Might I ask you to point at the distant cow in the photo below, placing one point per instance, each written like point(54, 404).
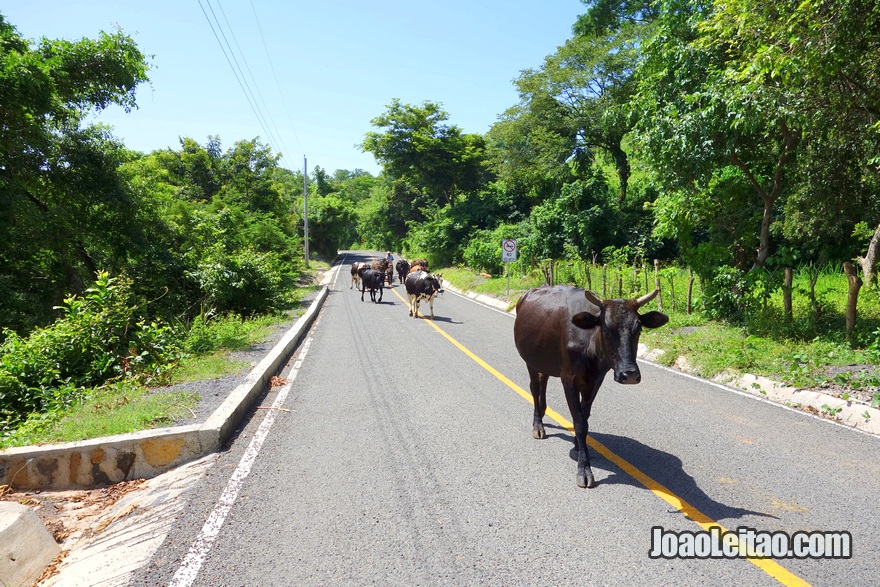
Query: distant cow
point(570, 333)
point(402, 269)
point(422, 286)
point(418, 265)
point(389, 274)
point(372, 280)
point(357, 268)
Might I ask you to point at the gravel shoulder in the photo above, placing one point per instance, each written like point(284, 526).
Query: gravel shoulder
point(213, 392)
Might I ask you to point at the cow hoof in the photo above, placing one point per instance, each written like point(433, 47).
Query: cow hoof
point(587, 480)
point(538, 433)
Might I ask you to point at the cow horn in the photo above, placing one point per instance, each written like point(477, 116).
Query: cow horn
point(647, 298)
point(592, 298)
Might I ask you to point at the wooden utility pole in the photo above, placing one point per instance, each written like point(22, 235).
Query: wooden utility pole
point(306, 210)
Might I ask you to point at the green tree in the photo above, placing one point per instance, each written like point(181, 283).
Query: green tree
point(416, 146)
point(581, 95)
point(822, 58)
point(250, 167)
point(57, 190)
point(704, 112)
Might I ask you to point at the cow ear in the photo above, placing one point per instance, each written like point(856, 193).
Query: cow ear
point(653, 319)
point(585, 320)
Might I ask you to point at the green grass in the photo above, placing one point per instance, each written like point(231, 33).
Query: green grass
point(497, 286)
point(765, 346)
point(116, 409)
point(126, 407)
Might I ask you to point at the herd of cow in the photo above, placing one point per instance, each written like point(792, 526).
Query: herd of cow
point(420, 284)
point(559, 331)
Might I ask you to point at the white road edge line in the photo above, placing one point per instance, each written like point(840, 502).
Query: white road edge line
point(191, 565)
point(752, 396)
point(466, 297)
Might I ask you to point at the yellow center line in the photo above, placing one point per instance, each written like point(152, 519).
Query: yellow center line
point(770, 567)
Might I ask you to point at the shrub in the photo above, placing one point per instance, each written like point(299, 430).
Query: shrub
point(97, 338)
point(245, 282)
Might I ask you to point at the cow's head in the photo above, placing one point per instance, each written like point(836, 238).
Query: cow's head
point(620, 324)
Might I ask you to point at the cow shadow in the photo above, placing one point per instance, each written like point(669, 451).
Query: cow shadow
point(663, 468)
point(441, 319)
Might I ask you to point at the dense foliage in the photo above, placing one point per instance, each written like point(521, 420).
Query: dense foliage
point(107, 255)
point(736, 137)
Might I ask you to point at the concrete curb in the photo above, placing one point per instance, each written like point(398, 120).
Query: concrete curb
point(482, 299)
point(103, 461)
point(832, 409)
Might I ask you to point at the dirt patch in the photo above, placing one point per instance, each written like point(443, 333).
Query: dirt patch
point(73, 514)
point(852, 382)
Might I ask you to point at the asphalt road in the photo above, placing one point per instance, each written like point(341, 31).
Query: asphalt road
point(406, 458)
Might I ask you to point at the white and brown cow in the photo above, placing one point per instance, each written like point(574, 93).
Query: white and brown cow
point(357, 270)
point(422, 286)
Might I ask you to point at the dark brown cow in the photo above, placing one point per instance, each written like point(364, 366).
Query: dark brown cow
point(372, 280)
point(570, 333)
point(402, 269)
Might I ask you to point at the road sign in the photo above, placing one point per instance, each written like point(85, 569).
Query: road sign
point(508, 250)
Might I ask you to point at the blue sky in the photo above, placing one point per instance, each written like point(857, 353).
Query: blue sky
point(318, 71)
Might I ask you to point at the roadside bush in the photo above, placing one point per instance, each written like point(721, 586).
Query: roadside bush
point(207, 334)
point(245, 282)
point(433, 241)
point(97, 338)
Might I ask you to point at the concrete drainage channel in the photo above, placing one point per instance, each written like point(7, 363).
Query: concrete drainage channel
point(26, 547)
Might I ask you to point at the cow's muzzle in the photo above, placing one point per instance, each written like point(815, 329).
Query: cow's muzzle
point(628, 376)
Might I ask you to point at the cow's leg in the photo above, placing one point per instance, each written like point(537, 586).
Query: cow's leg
point(538, 387)
point(363, 288)
point(579, 416)
point(431, 305)
point(381, 289)
point(410, 305)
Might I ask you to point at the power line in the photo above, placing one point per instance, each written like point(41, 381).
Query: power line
point(275, 75)
point(236, 70)
point(268, 114)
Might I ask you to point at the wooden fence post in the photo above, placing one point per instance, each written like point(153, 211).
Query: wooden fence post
point(852, 298)
point(690, 296)
point(620, 282)
point(786, 293)
point(645, 271)
point(604, 281)
point(547, 269)
point(589, 277)
point(657, 283)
